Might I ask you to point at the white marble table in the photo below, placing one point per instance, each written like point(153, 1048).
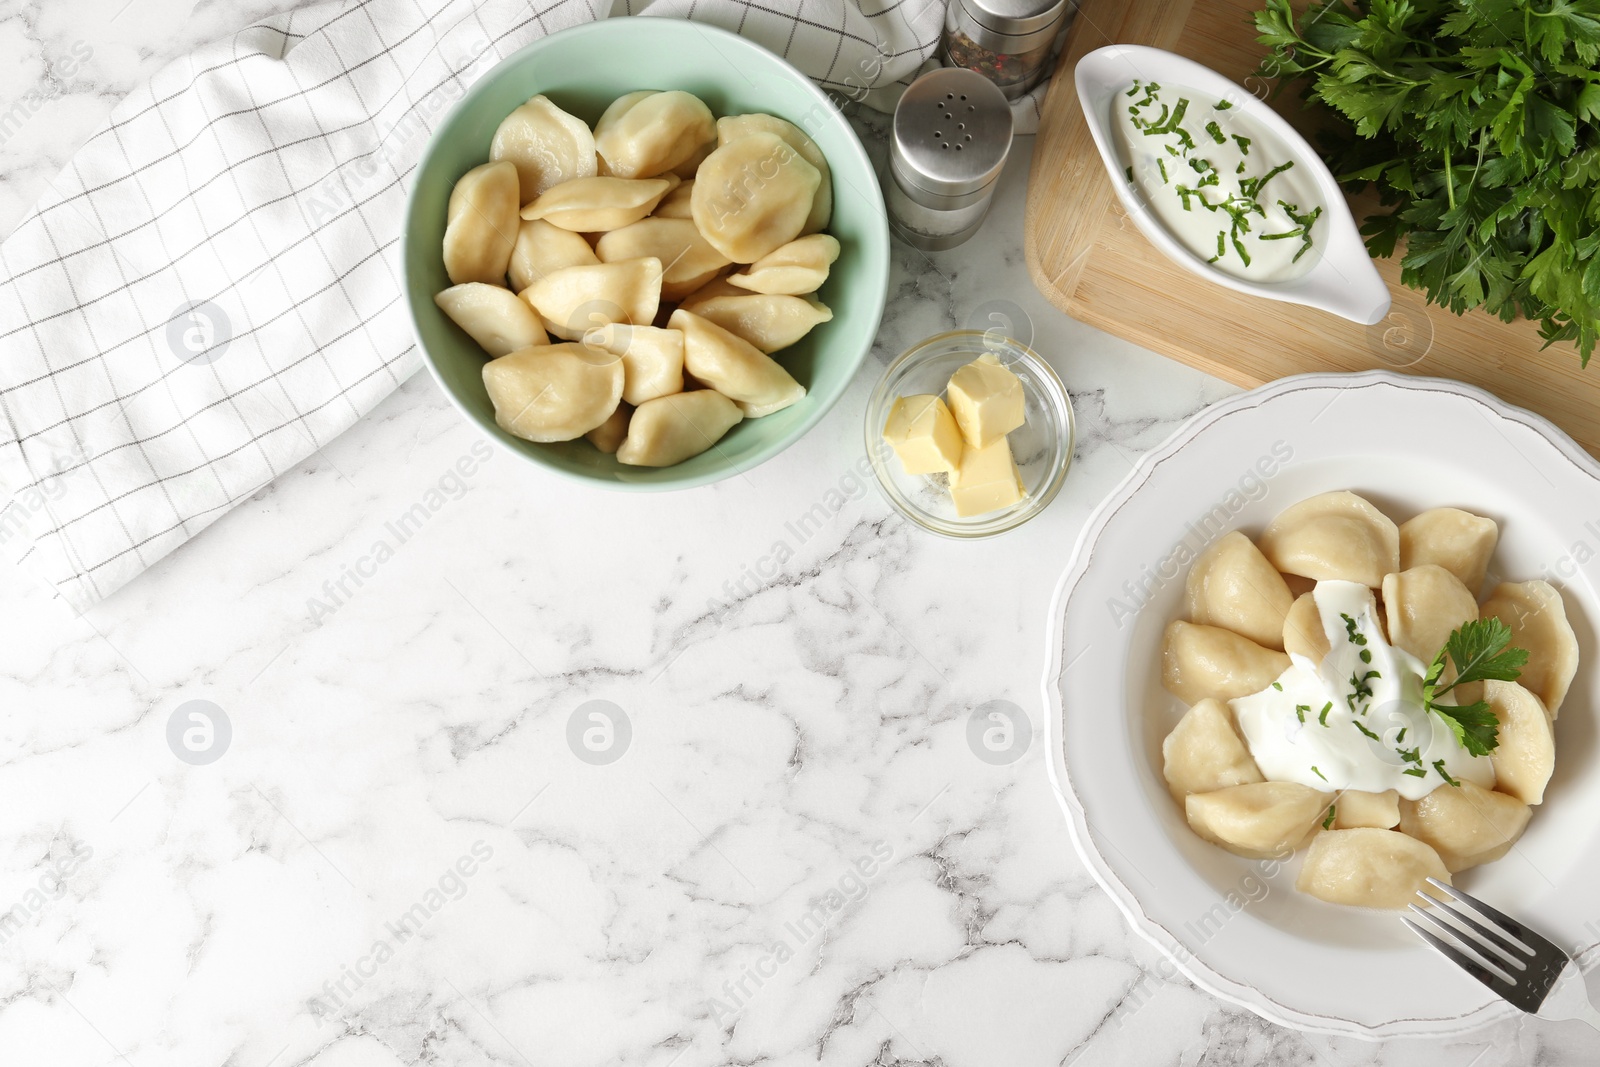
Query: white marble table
point(399, 859)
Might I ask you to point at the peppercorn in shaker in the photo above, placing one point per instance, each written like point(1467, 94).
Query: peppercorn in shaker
point(951, 135)
point(1007, 41)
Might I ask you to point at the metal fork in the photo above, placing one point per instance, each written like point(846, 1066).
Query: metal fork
point(1522, 967)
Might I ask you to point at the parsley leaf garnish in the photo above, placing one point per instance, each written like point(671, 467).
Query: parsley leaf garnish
point(1479, 651)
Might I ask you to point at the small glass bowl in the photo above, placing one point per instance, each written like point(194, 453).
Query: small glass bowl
point(1042, 445)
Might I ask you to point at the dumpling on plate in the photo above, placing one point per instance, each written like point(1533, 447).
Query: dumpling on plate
point(1204, 752)
point(493, 316)
point(732, 127)
point(652, 359)
point(1526, 755)
point(1456, 540)
point(771, 323)
point(1335, 535)
point(481, 224)
point(801, 266)
point(1465, 824)
point(646, 133)
point(609, 435)
point(1259, 819)
point(542, 248)
point(734, 368)
point(1538, 621)
point(752, 195)
point(1208, 661)
point(574, 300)
point(671, 429)
point(1423, 606)
point(553, 392)
point(545, 144)
point(1369, 868)
point(1356, 807)
point(1303, 634)
point(1233, 586)
point(675, 205)
point(594, 205)
point(690, 261)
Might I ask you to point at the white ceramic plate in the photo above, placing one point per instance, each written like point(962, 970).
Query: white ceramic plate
point(1242, 932)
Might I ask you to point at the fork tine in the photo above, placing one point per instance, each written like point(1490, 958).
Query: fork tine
point(1500, 986)
point(1516, 955)
point(1536, 944)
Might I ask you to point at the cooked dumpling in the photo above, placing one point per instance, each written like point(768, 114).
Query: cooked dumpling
point(594, 205)
point(752, 195)
point(1208, 661)
point(1456, 540)
point(1355, 807)
point(770, 323)
point(493, 316)
point(652, 359)
point(553, 392)
point(1369, 868)
point(1526, 755)
point(542, 248)
point(1261, 819)
point(675, 205)
point(1538, 621)
point(1465, 824)
point(1334, 535)
point(1303, 634)
point(801, 266)
point(546, 145)
point(481, 225)
point(732, 127)
point(1204, 753)
point(734, 368)
point(1422, 606)
point(647, 133)
point(1233, 586)
point(690, 261)
point(574, 300)
point(671, 429)
point(609, 435)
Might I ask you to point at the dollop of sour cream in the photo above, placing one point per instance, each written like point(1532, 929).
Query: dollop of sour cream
point(1356, 720)
point(1220, 182)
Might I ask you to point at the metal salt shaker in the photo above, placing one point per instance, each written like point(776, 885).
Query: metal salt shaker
point(952, 133)
point(1007, 41)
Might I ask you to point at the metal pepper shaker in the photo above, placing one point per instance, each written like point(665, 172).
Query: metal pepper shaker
point(1007, 41)
point(951, 136)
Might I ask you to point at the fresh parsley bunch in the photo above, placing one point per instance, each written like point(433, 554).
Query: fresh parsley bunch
point(1480, 653)
point(1479, 123)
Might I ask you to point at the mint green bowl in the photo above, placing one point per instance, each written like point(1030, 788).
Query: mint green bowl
point(583, 69)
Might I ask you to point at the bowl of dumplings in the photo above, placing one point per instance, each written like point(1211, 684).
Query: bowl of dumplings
point(1333, 638)
point(645, 253)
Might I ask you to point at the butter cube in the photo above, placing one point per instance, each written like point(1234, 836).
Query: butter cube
point(986, 400)
point(987, 480)
point(923, 434)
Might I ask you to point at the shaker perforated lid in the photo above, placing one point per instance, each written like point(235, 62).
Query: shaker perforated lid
point(1029, 23)
point(952, 132)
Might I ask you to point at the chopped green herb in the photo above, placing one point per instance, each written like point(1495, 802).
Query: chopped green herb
point(1318, 773)
point(1216, 133)
point(1415, 772)
point(1438, 765)
point(1332, 814)
point(1323, 717)
point(1300, 710)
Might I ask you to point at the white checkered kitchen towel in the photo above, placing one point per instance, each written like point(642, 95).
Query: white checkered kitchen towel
point(211, 291)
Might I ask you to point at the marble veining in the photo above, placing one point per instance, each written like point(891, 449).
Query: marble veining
point(413, 848)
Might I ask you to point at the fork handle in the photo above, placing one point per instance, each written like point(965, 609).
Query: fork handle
point(1589, 1014)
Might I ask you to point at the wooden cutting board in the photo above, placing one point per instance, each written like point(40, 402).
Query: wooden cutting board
point(1090, 260)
